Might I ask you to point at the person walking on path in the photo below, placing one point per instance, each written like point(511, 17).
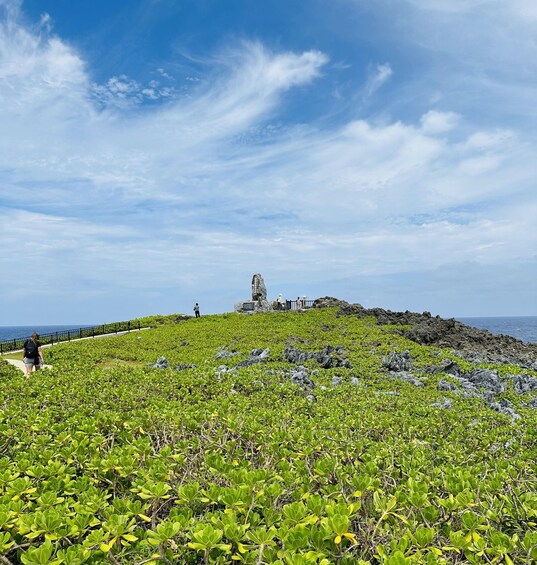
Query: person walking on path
point(298, 303)
point(279, 301)
point(197, 310)
point(33, 354)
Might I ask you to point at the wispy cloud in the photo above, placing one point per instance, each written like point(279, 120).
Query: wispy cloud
point(130, 185)
point(378, 76)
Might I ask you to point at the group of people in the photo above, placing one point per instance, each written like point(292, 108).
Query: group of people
point(33, 355)
point(281, 303)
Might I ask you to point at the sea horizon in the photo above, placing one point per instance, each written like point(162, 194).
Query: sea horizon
point(17, 332)
point(519, 327)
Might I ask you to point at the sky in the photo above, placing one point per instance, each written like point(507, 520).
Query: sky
point(158, 153)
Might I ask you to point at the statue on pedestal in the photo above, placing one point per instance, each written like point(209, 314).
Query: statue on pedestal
point(259, 302)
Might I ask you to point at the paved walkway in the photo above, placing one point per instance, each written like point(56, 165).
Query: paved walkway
point(19, 363)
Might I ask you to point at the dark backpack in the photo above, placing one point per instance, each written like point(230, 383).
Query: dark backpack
point(30, 349)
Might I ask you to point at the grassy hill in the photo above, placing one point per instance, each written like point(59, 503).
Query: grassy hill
point(237, 454)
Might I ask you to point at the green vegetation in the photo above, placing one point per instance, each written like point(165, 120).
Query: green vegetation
point(106, 460)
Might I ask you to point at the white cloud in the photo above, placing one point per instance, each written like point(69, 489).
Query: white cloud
point(377, 77)
point(137, 196)
point(123, 92)
point(438, 122)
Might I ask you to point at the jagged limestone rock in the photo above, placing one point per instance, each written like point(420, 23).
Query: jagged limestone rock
point(259, 290)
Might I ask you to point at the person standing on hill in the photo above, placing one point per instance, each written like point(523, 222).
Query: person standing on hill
point(298, 303)
point(33, 355)
point(197, 310)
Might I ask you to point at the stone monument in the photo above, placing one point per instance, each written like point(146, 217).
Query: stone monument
point(259, 302)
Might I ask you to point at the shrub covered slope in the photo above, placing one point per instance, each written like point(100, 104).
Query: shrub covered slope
point(275, 438)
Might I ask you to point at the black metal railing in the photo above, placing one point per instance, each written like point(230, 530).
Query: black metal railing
point(67, 335)
point(292, 304)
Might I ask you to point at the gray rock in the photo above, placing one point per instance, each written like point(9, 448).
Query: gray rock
point(224, 353)
point(397, 361)
point(331, 302)
point(523, 383)
point(503, 406)
point(356, 381)
point(256, 356)
point(407, 378)
point(182, 367)
point(336, 380)
point(533, 404)
point(469, 390)
point(447, 386)
point(448, 366)
point(222, 370)
point(162, 363)
point(445, 404)
point(300, 377)
point(487, 380)
point(329, 357)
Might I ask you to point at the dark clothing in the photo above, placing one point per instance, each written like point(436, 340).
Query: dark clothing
point(197, 311)
point(31, 349)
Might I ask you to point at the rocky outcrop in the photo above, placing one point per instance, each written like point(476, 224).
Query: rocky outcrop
point(523, 383)
point(256, 356)
point(300, 377)
point(397, 361)
point(400, 365)
point(472, 344)
point(329, 357)
point(484, 384)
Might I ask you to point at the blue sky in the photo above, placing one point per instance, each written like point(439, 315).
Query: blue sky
point(157, 153)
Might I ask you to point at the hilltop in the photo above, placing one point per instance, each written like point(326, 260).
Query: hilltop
point(332, 435)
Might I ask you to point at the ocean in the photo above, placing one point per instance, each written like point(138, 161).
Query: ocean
point(10, 332)
point(521, 327)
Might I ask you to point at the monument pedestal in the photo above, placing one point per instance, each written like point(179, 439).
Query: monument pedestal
point(253, 306)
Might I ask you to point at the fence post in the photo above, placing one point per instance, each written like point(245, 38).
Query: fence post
point(68, 335)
